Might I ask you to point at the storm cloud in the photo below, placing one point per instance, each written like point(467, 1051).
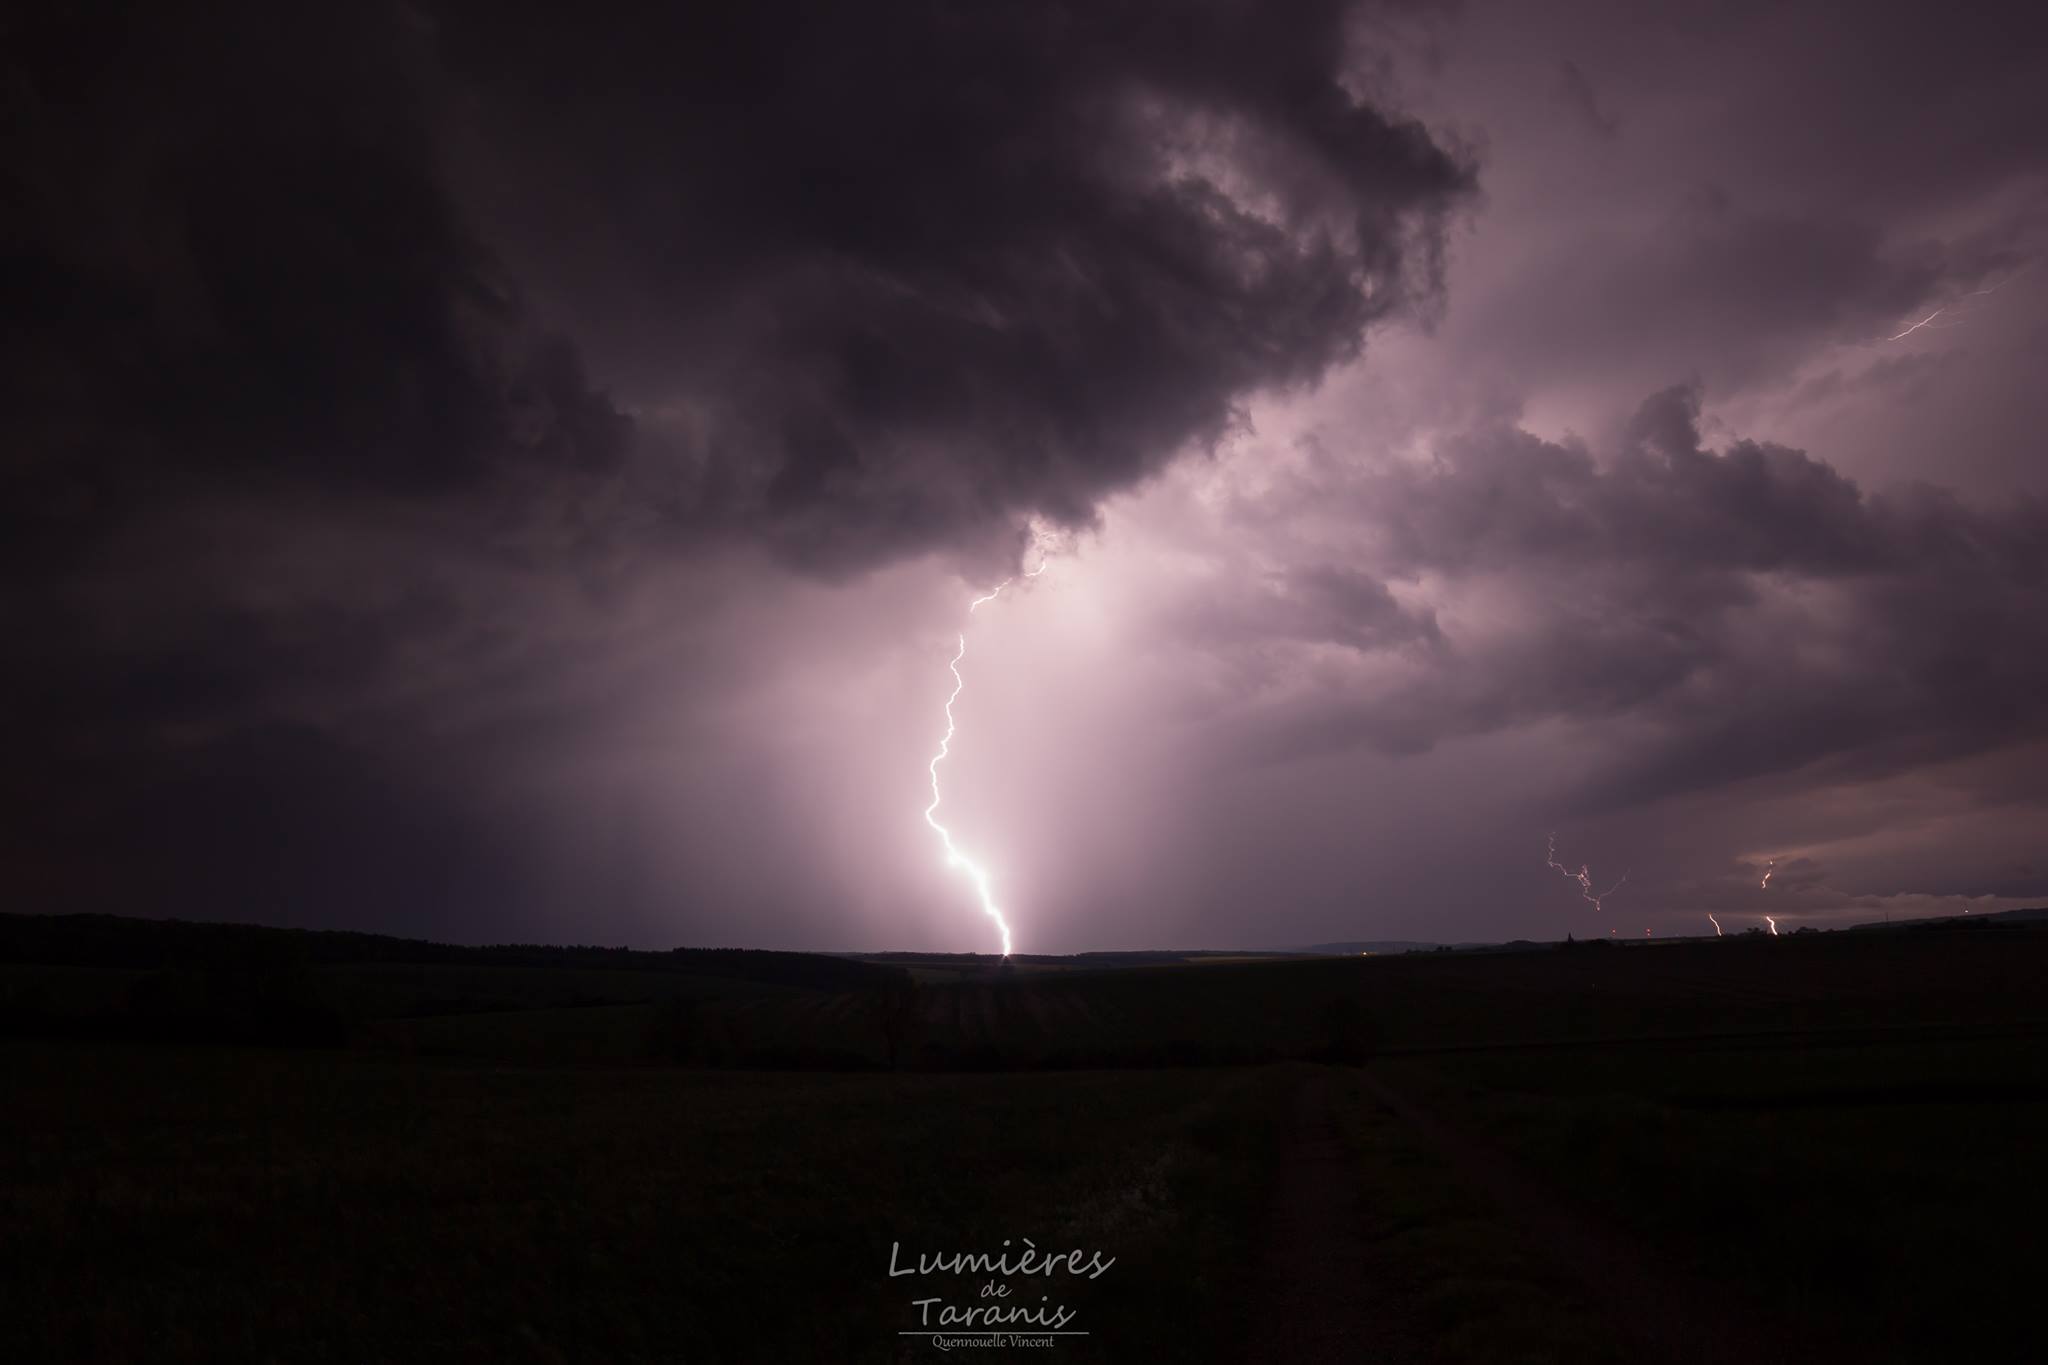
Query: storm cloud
point(500, 471)
point(896, 277)
point(1742, 611)
point(358, 354)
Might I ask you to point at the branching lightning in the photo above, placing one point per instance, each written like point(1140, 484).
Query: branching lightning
point(1584, 877)
point(954, 857)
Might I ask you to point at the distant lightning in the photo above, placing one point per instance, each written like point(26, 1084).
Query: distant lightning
point(1716, 923)
point(1769, 865)
point(1918, 325)
point(1583, 877)
point(954, 857)
point(1994, 288)
point(1929, 320)
point(1774, 925)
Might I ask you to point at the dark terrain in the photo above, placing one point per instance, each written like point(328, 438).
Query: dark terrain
point(224, 1143)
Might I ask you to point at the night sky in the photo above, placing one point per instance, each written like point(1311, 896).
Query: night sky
point(518, 472)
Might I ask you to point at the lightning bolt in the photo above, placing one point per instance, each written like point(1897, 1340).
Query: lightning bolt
point(1583, 877)
point(1769, 866)
point(1716, 923)
point(1918, 325)
point(1774, 925)
point(1994, 288)
point(954, 857)
point(1963, 309)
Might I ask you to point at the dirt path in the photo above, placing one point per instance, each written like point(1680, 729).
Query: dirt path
point(1314, 1298)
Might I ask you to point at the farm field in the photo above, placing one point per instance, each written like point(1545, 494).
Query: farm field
point(1875, 1199)
point(178, 1204)
point(1819, 1149)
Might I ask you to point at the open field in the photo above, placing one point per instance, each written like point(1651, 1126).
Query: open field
point(178, 1204)
point(1880, 1198)
point(1819, 1149)
point(1246, 1013)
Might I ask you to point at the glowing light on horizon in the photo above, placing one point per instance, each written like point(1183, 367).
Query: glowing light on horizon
point(1769, 866)
point(954, 857)
point(1716, 923)
point(1584, 877)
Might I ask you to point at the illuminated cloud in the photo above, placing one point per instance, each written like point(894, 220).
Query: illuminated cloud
point(491, 473)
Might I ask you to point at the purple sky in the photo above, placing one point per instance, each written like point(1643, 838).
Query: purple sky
point(490, 473)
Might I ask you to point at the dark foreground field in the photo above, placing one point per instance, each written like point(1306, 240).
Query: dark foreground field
point(1818, 1149)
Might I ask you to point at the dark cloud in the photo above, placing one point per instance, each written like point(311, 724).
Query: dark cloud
point(1734, 612)
point(499, 469)
point(887, 277)
point(233, 268)
point(344, 340)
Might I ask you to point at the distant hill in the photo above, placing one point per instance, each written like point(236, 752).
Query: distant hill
point(152, 944)
point(2031, 915)
point(1375, 946)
